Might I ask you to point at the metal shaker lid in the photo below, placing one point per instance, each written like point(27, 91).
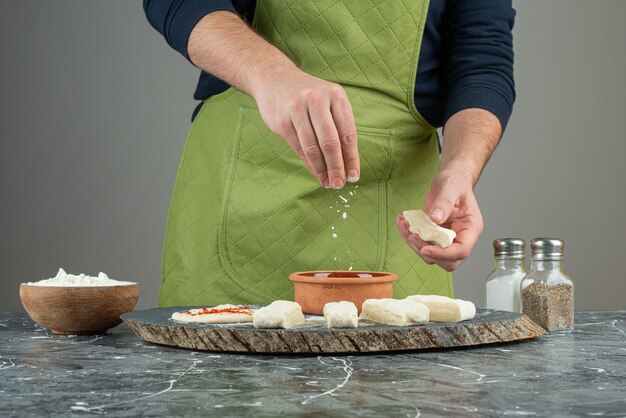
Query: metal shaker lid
point(509, 248)
point(547, 249)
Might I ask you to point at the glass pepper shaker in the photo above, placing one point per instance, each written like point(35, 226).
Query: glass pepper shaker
point(547, 292)
point(502, 289)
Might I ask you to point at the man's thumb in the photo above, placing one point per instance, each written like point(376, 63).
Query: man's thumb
point(442, 205)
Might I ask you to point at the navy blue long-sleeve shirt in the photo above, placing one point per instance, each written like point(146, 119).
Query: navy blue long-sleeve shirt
point(466, 58)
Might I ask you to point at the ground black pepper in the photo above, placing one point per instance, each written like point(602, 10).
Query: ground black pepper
point(549, 305)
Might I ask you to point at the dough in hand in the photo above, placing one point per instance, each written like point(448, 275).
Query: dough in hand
point(395, 312)
point(220, 314)
point(445, 309)
point(279, 314)
point(420, 224)
point(341, 315)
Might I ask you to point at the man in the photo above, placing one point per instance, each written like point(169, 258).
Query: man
point(318, 125)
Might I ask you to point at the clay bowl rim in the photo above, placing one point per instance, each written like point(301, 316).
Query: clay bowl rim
point(308, 277)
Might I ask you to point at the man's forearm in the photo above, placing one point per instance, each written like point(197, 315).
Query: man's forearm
point(470, 137)
point(312, 115)
point(223, 45)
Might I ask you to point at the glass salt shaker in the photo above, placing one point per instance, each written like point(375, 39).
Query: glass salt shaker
point(502, 289)
point(547, 292)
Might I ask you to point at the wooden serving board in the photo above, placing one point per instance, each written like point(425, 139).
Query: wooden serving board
point(487, 327)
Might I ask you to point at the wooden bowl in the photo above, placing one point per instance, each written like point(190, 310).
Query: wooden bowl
point(78, 309)
point(314, 289)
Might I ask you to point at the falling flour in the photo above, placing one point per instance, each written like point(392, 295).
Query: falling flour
point(342, 207)
point(64, 279)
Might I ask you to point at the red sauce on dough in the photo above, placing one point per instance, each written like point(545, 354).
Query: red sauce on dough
point(236, 310)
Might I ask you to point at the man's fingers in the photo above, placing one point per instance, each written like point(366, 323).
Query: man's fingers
point(448, 266)
point(442, 205)
point(418, 242)
point(418, 245)
point(291, 137)
point(448, 261)
point(328, 140)
point(403, 226)
point(310, 147)
point(444, 194)
point(459, 250)
point(412, 240)
point(343, 117)
point(455, 252)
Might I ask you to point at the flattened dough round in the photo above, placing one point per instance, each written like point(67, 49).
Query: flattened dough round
point(241, 314)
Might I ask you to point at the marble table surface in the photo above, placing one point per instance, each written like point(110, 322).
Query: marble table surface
point(582, 373)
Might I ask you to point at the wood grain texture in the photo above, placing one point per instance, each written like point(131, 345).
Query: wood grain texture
point(78, 309)
point(487, 327)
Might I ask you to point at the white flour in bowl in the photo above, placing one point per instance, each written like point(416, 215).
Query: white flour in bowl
point(64, 279)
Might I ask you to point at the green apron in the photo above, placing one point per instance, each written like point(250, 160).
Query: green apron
point(246, 212)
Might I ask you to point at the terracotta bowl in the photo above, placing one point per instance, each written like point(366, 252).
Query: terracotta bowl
point(78, 309)
point(313, 289)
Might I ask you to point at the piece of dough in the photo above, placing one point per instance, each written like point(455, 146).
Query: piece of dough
point(420, 224)
point(341, 315)
point(395, 312)
point(279, 314)
point(220, 314)
point(445, 309)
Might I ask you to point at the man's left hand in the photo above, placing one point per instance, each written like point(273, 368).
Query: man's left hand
point(450, 203)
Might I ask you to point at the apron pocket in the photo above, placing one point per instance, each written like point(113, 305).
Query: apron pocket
point(277, 219)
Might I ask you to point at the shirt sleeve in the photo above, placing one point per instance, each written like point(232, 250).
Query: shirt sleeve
point(479, 63)
point(175, 19)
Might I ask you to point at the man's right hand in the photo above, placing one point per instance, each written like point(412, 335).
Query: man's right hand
point(314, 116)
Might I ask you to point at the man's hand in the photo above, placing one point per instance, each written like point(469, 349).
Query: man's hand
point(450, 203)
point(314, 116)
point(470, 137)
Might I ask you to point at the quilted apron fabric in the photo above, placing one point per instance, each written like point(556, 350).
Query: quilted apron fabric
point(246, 212)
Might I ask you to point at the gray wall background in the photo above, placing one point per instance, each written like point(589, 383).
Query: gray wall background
point(94, 109)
